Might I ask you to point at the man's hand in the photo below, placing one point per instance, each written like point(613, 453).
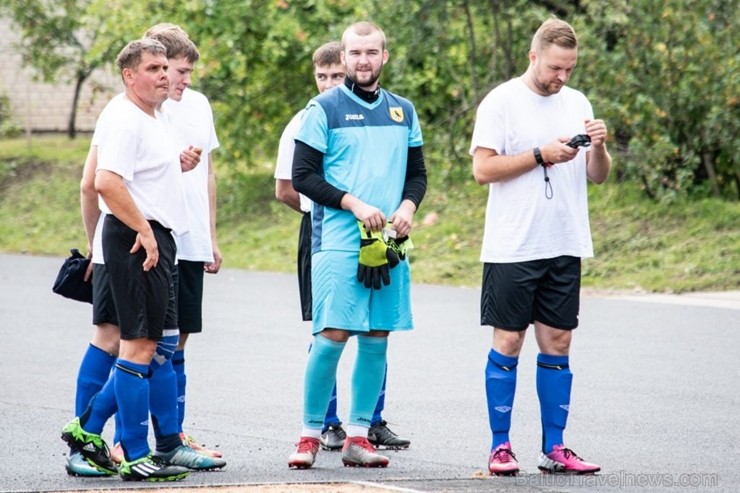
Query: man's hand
point(190, 158)
point(558, 151)
point(596, 129)
point(149, 243)
point(213, 267)
point(403, 218)
point(88, 272)
point(372, 217)
point(598, 161)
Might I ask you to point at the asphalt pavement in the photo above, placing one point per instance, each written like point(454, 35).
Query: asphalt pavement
point(655, 402)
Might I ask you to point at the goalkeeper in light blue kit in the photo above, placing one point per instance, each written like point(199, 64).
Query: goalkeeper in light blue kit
point(359, 158)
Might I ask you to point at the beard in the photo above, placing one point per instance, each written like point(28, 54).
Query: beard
point(548, 87)
point(369, 81)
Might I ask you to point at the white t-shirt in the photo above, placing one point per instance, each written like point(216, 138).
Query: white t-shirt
point(522, 224)
point(191, 121)
point(97, 257)
point(141, 149)
point(284, 165)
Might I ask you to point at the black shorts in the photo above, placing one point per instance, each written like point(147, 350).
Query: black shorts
point(145, 301)
point(104, 309)
point(304, 266)
point(189, 286)
point(515, 295)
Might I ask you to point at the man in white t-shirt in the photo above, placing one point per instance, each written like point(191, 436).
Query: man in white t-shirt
point(103, 348)
point(536, 234)
point(191, 118)
point(329, 72)
point(139, 180)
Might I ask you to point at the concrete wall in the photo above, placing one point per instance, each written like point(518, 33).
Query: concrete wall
point(40, 107)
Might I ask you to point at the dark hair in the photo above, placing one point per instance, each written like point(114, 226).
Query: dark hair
point(328, 54)
point(176, 41)
point(130, 55)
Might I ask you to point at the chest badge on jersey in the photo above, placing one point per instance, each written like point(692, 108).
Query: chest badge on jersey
point(397, 114)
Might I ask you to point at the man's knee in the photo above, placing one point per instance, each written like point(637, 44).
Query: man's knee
point(508, 342)
point(139, 351)
point(336, 335)
point(553, 341)
point(107, 337)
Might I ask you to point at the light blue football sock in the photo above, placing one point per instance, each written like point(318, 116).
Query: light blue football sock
point(331, 417)
point(178, 363)
point(367, 378)
point(320, 377)
point(500, 390)
point(92, 375)
point(131, 385)
point(378, 413)
point(554, 381)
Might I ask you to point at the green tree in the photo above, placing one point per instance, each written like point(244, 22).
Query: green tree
point(56, 38)
point(665, 75)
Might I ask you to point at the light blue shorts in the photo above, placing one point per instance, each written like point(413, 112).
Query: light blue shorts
point(340, 301)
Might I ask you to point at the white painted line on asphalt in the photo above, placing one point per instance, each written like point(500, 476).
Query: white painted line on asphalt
point(724, 299)
point(368, 484)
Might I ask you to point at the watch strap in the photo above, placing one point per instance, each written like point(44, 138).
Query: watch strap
point(538, 156)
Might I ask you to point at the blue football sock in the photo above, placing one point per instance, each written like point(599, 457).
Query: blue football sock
point(163, 402)
point(500, 389)
point(92, 375)
point(163, 393)
point(117, 431)
point(132, 395)
point(331, 417)
point(378, 413)
point(102, 406)
point(178, 363)
point(554, 381)
point(367, 378)
point(320, 377)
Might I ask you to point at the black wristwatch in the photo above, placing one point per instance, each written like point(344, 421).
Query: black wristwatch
point(538, 156)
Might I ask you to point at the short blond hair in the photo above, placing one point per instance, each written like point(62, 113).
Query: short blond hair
point(175, 39)
point(555, 32)
point(363, 28)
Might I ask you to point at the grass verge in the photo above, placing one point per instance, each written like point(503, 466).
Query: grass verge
point(640, 244)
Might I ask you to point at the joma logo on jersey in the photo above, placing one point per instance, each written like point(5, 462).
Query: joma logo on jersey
point(397, 114)
point(353, 117)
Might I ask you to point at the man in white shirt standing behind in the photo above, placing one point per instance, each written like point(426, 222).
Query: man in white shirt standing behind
point(191, 118)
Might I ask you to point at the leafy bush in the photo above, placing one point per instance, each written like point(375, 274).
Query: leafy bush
point(8, 128)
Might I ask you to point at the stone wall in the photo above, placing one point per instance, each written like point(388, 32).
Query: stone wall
point(40, 107)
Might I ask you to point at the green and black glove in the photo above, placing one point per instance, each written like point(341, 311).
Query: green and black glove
point(400, 246)
point(375, 263)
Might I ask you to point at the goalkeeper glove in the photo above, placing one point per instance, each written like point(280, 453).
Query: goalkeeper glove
point(374, 263)
point(400, 246)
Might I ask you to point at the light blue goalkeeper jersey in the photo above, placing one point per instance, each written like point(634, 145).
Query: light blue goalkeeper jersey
point(365, 147)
